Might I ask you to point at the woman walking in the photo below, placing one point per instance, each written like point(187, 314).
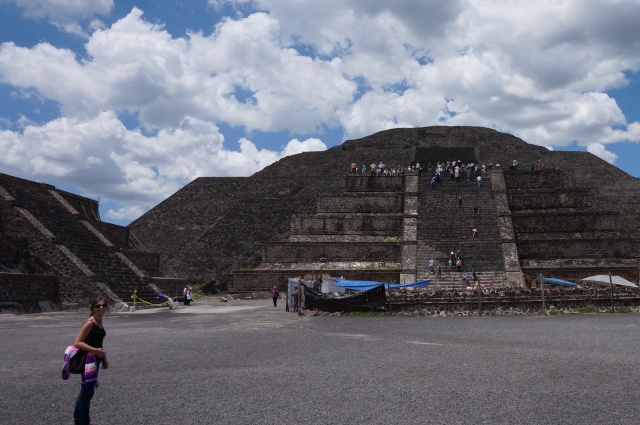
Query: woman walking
point(185, 292)
point(189, 295)
point(90, 339)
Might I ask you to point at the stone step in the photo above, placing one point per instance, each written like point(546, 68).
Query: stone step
point(453, 280)
point(444, 226)
point(82, 242)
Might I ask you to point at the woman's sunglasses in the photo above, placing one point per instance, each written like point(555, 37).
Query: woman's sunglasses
point(99, 306)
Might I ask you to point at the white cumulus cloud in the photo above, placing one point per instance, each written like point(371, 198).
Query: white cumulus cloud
point(65, 14)
point(104, 159)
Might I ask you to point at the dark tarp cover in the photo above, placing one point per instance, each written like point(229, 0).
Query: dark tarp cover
point(373, 299)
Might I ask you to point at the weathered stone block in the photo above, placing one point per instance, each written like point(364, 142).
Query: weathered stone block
point(524, 179)
point(375, 183)
point(361, 203)
point(298, 252)
point(550, 222)
point(538, 199)
point(364, 224)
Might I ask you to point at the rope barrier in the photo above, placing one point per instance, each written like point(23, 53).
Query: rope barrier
point(135, 297)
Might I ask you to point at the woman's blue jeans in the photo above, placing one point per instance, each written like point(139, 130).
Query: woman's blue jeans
point(83, 403)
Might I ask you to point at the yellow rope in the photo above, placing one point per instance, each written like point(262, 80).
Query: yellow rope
point(135, 297)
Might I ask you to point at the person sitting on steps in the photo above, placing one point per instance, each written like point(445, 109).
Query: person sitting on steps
point(164, 298)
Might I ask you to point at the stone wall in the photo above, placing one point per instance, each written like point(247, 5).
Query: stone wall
point(371, 224)
point(549, 198)
point(504, 219)
point(13, 249)
point(361, 203)
point(410, 229)
point(510, 302)
point(550, 179)
point(558, 216)
point(375, 183)
point(547, 222)
point(147, 261)
point(87, 208)
point(171, 285)
point(595, 265)
point(305, 252)
point(117, 235)
point(20, 293)
point(247, 281)
point(578, 248)
point(20, 287)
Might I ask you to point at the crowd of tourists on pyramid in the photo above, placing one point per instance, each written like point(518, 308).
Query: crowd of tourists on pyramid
point(456, 171)
point(537, 166)
point(380, 169)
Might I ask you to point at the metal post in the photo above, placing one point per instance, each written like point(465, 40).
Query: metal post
point(613, 309)
point(389, 297)
point(544, 311)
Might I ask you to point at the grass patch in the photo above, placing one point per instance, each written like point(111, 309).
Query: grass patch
point(590, 309)
point(555, 312)
point(620, 310)
point(361, 314)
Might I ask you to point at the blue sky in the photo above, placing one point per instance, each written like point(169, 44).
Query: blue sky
point(126, 102)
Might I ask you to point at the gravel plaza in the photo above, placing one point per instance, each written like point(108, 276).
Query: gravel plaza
point(246, 362)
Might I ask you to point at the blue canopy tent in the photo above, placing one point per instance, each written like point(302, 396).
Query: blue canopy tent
point(560, 282)
point(552, 281)
point(365, 285)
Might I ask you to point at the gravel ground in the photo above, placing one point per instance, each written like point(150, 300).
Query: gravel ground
point(246, 362)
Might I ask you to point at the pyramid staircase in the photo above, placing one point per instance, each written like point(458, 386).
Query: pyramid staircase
point(445, 225)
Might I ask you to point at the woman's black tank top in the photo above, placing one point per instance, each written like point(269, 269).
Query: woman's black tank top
point(96, 336)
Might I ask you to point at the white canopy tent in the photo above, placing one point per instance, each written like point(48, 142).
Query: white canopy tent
point(603, 279)
point(607, 279)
